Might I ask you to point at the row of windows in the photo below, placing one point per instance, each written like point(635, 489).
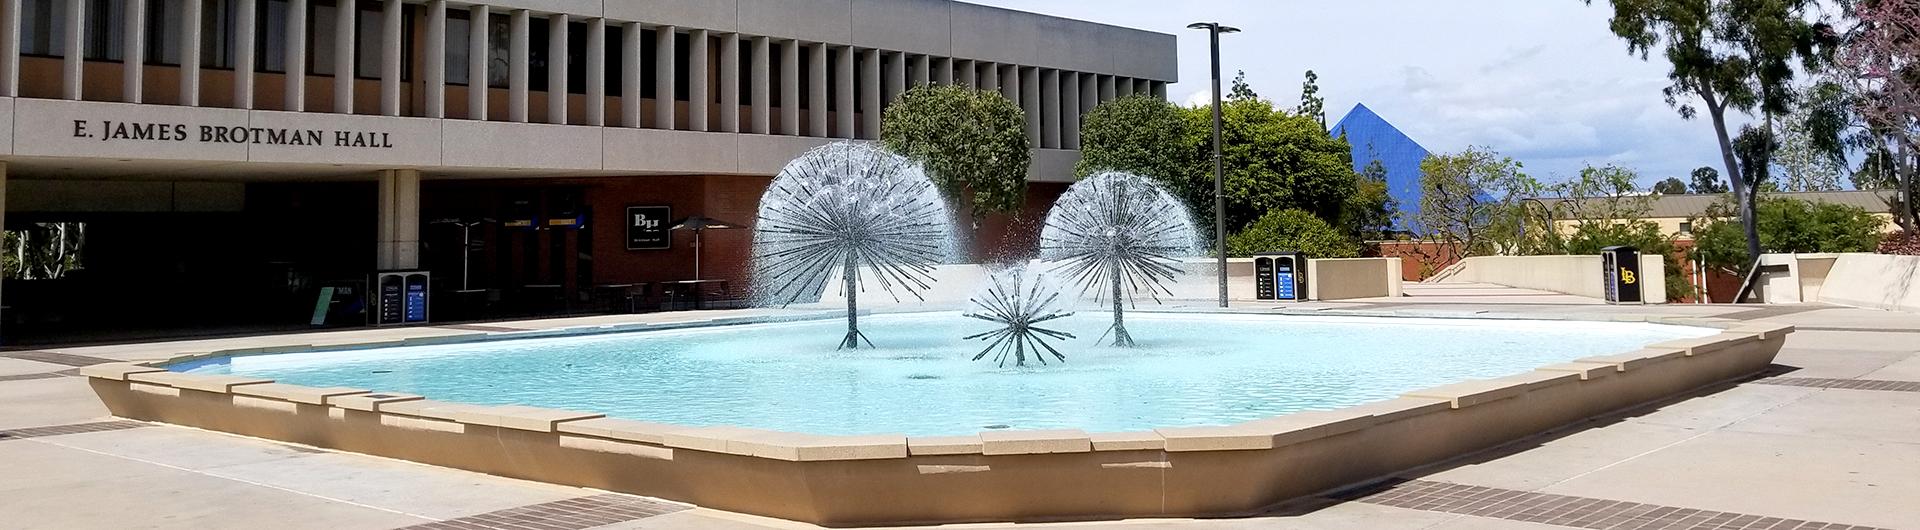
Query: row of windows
point(43, 30)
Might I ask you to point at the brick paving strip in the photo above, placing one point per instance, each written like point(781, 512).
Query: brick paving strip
point(1848, 384)
point(1775, 311)
point(1563, 510)
point(28, 377)
point(570, 514)
point(75, 428)
point(66, 359)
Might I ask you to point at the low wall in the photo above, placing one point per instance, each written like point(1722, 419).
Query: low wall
point(1578, 275)
point(990, 476)
point(1805, 275)
point(1349, 278)
point(1876, 281)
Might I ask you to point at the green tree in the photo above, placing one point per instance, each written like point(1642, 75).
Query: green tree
point(1291, 229)
point(1371, 210)
point(973, 143)
point(1812, 153)
point(1470, 202)
point(1737, 55)
point(1311, 104)
point(1274, 160)
point(1240, 90)
point(1670, 186)
point(1707, 181)
point(1143, 135)
point(1786, 225)
point(1875, 171)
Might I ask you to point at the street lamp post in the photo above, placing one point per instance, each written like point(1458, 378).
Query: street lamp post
point(1214, 29)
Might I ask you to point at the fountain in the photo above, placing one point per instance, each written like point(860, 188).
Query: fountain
point(1118, 235)
point(1019, 300)
point(854, 209)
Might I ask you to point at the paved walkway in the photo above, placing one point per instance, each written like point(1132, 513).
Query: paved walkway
point(1831, 439)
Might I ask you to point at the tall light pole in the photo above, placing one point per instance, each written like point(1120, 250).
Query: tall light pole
point(1214, 29)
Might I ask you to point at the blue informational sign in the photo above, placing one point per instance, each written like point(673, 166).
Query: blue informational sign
point(1283, 281)
point(417, 298)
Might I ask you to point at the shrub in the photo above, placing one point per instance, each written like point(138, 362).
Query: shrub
point(1787, 225)
point(1294, 230)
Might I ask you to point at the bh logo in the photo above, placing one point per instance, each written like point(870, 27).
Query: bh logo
point(640, 220)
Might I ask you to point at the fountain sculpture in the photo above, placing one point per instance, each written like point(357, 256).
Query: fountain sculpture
point(854, 209)
point(1118, 235)
point(1019, 300)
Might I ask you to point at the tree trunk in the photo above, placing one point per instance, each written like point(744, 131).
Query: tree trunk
point(1742, 194)
point(1903, 168)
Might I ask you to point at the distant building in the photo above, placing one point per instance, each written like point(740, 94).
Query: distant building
point(1375, 139)
point(1676, 213)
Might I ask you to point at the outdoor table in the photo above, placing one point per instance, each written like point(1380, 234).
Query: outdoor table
point(691, 288)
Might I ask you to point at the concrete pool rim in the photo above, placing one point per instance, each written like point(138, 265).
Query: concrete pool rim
point(990, 476)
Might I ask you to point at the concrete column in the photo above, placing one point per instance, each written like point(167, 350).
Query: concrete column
point(1123, 87)
point(843, 83)
point(699, 89)
point(245, 19)
point(436, 65)
point(664, 100)
point(74, 34)
point(896, 80)
point(1009, 82)
point(969, 75)
point(1030, 104)
point(10, 48)
point(343, 63)
point(817, 90)
point(759, 70)
point(557, 89)
point(399, 223)
point(989, 76)
point(1050, 109)
point(519, 32)
point(1106, 88)
point(1160, 90)
point(190, 53)
point(730, 82)
point(1069, 110)
point(12, 6)
point(390, 19)
point(943, 71)
point(479, 20)
point(597, 72)
point(790, 88)
point(870, 102)
point(134, 53)
point(296, 60)
point(920, 71)
point(1143, 86)
point(630, 64)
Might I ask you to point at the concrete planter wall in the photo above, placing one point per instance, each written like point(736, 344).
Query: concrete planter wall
point(1575, 275)
point(990, 476)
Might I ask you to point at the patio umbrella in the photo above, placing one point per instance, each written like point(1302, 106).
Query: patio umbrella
point(698, 224)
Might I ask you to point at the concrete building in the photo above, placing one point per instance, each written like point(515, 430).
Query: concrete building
point(228, 157)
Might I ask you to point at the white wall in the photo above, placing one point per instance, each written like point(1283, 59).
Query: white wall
point(1874, 281)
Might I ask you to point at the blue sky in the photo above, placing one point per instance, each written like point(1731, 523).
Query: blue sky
point(1542, 81)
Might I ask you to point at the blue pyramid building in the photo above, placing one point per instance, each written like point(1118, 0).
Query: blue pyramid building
point(1375, 139)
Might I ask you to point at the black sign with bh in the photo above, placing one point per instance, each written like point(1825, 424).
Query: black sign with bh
point(647, 227)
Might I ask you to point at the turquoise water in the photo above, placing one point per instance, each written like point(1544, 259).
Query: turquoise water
point(1189, 370)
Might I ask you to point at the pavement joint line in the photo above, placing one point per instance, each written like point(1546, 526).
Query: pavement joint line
point(234, 479)
point(1703, 432)
point(1562, 510)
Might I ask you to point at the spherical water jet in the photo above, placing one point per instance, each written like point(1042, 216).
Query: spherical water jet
point(1019, 299)
point(1119, 236)
point(852, 209)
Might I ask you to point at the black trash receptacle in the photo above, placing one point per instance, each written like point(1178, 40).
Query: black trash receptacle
point(1280, 276)
point(1620, 269)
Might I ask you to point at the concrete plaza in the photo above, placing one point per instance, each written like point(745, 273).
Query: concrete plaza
point(1830, 438)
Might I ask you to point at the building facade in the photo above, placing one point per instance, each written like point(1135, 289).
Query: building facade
point(223, 155)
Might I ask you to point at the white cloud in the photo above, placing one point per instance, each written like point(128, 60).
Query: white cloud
point(1542, 81)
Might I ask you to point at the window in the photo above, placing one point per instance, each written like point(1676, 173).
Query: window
point(271, 33)
point(499, 42)
point(216, 34)
point(370, 30)
point(1686, 227)
point(320, 33)
point(105, 38)
point(459, 36)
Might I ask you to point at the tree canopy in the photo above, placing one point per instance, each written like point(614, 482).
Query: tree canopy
point(1143, 135)
point(973, 143)
point(1706, 180)
point(1670, 186)
point(1471, 201)
point(1786, 225)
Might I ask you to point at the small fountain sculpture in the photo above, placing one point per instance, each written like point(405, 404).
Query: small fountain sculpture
point(1118, 235)
point(1019, 300)
point(855, 209)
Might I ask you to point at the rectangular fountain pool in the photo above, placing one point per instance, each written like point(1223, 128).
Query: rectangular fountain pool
point(1189, 369)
